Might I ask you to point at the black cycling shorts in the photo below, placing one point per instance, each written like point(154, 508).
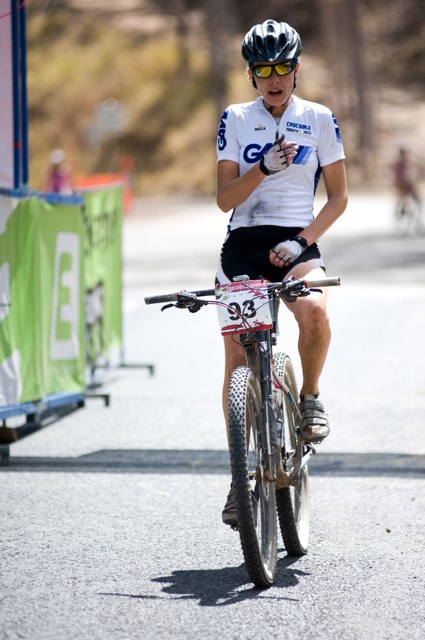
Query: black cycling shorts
point(246, 252)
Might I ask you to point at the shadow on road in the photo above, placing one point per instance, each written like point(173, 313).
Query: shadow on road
point(221, 587)
point(217, 462)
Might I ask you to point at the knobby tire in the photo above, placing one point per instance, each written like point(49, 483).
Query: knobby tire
point(292, 502)
point(255, 496)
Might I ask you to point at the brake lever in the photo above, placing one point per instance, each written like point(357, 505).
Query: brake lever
point(297, 292)
point(178, 305)
point(192, 305)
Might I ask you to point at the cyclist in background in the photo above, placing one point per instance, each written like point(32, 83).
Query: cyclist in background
point(406, 173)
point(270, 154)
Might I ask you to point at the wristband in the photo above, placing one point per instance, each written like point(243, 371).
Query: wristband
point(263, 167)
point(302, 241)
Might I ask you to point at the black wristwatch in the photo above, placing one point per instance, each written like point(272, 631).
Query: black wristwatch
point(302, 241)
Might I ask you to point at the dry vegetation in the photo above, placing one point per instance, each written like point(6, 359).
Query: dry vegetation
point(78, 58)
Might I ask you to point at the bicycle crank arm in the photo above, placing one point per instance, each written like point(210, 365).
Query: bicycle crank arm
point(301, 462)
point(306, 458)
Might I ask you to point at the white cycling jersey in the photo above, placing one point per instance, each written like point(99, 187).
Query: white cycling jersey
point(284, 199)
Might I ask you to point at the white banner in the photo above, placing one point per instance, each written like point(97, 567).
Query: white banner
point(6, 97)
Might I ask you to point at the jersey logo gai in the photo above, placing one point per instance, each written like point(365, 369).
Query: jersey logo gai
point(222, 142)
point(254, 152)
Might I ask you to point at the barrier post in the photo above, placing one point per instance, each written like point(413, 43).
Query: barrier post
point(102, 275)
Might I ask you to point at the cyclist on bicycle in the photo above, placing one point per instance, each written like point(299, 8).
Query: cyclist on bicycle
point(271, 153)
point(406, 175)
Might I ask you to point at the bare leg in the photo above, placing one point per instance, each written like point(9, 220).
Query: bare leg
point(314, 330)
point(234, 357)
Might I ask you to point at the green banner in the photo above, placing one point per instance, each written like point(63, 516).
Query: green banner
point(102, 274)
point(42, 340)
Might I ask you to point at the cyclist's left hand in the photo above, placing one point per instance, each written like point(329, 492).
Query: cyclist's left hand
point(287, 252)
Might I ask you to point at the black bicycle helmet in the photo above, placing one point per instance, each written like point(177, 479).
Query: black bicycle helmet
point(271, 42)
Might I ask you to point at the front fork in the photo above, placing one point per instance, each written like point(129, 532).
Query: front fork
point(259, 355)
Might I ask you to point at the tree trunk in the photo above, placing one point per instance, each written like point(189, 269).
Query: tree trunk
point(342, 35)
point(219, 28)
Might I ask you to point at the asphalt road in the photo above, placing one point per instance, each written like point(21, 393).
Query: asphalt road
point(111, 517)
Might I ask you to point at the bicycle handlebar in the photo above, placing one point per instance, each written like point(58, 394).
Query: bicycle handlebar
point(285, 286)
point(174, 297)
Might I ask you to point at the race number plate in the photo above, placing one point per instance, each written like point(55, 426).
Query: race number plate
point(246, 307)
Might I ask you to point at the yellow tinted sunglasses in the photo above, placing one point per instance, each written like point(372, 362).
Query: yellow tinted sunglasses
point(282, 69)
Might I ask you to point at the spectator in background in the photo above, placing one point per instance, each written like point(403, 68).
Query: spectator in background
point(59, 177)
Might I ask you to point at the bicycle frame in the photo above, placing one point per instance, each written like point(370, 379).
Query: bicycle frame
point(258, 347)
point(259, 356)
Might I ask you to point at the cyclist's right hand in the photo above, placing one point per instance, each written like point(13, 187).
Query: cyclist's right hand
point(278, 157)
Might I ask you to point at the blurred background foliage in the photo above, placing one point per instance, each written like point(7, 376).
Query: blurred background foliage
point(143, 83)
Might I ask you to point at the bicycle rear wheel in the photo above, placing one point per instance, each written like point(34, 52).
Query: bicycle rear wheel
point(293, 505)
point(255, 496)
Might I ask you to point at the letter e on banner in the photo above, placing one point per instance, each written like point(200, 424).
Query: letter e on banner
point(64, 331)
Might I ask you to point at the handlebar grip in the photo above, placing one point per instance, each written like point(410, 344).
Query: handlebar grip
point(174, 297)
point(325, 282)
point(166, 297)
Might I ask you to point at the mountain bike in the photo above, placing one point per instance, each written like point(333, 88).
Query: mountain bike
point(268, 456)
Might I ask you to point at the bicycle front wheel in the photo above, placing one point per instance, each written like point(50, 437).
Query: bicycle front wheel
point(255, 496)
point(293, 504)
point(408, 215)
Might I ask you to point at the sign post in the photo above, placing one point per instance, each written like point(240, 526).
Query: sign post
point(13, 96)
